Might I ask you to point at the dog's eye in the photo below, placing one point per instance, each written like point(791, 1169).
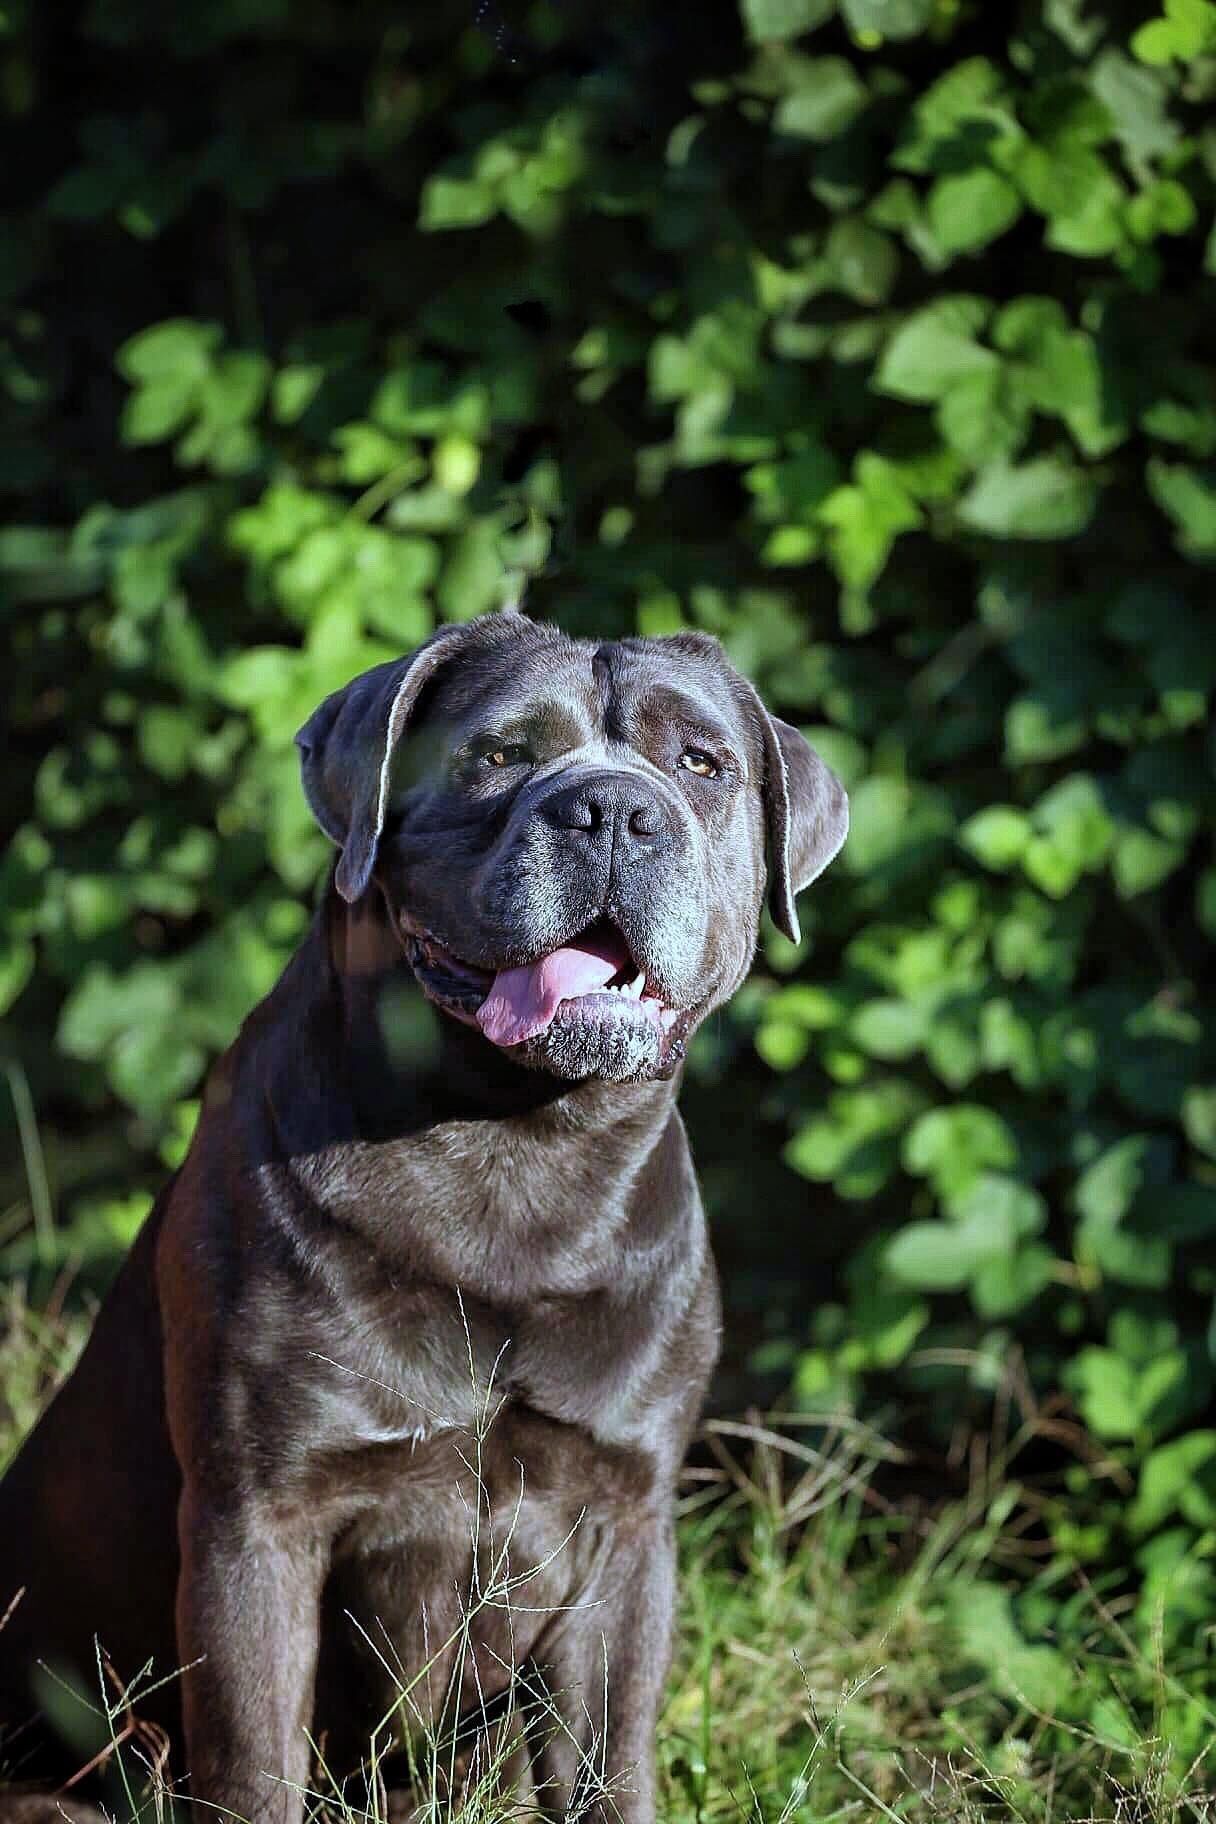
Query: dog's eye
point(693, 760)
point(508, 754)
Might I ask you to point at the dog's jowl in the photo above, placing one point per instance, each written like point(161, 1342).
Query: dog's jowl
point(377, 1434)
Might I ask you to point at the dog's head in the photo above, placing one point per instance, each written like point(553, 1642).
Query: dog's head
point(574, 840)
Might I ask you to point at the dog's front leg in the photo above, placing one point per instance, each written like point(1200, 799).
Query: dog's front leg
point(602, 1664)
point(247, 1612)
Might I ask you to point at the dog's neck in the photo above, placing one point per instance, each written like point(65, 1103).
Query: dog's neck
point(410, 1063)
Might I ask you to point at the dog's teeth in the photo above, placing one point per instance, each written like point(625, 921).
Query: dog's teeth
point(636, 986)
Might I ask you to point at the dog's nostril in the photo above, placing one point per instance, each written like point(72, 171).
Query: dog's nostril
point(611, 804)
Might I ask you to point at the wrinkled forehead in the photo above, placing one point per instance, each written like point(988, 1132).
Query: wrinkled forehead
point(584, 690)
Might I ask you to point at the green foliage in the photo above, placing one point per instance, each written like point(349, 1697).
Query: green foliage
point(876, 339)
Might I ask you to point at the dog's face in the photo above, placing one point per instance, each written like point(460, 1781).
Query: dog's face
point(573, 840)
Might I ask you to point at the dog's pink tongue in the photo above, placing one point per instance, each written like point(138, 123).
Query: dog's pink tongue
point(522, 1002)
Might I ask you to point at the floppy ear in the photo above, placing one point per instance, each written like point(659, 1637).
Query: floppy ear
point(347, 746)
point(807, 816)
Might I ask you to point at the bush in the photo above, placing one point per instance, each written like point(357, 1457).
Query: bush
point(875, 337)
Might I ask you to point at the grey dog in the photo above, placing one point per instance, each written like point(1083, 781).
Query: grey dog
point(382, 1419)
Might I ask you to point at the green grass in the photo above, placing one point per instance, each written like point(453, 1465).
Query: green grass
point(840, 1657)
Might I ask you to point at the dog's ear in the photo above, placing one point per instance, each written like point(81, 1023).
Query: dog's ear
point(347, 746)
point(807, 815)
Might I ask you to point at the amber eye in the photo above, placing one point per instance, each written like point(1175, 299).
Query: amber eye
point(509, 754)
point(694, 761)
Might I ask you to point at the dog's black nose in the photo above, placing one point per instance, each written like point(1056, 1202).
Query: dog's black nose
point(620, 806)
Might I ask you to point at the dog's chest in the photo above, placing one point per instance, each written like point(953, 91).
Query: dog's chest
point(387, 1380)
point(435, 1306)
point(499, 1217)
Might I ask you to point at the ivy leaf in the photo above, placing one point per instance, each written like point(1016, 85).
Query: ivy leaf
point(865, 518)
point(455, 202)
point(871, 21)
point(828, 100)
point(178, 350)
point(952, 1146)
point(934, 349)
point(1044, 498)
point(937, 1256)
point(1178, 1477)
point(1138, 103)
point(1187, 31)
point(1002, 1288)
point(968, 211)
point(996, 836)
point(1188, 496)
point(773, 21)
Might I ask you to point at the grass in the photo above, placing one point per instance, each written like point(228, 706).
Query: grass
point(837, 1657)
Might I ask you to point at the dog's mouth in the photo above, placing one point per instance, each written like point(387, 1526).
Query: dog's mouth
point(593, 977)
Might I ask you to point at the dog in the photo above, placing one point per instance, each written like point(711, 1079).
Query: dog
point(382, 1419)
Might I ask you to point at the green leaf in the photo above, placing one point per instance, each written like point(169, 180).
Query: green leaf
point(167, 738)
point(982, 1617)
point(986, 415)
point(455, 202)
point(969, 210)
point(861, 260)
point(783, 1044)
point(1104, 1196)
point(104, 1006)
point(1002, 1287)
point(935, 1256)
point(1179, 1477)
point(1138, 103)
point(1143, 860)
point(235, 388)
point(1164, 207)
point(864, 520)
point(996, 836)
point(1059, 371)
point(1009, 1208)
point(1033, 732)
point(1089, 223)
point(155, 1064)
point(176, 352)
point(972, 91)
point(1199, 1118)
point(158, 411)
point(259, 673)
point(1105, 1385)
point(1186, 32)
point(952, 1146)
point(1188, 495)
point(934, 349)
point(829, 99)
point(854, 1143)
point(871, 21)
point(888, 818)
point(1106, 1190)
point(369, 454)
point(16, 968)
point(1044, 498)
point(1074, 834)
point(769, 21)
point(293, 390)
point(888, 1028)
